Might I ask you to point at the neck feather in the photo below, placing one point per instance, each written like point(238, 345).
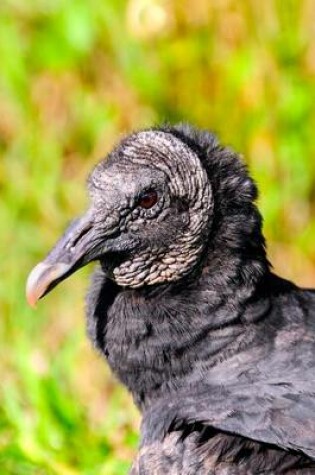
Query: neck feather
point(157, 341)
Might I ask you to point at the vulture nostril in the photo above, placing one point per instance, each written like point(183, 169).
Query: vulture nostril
point(78, 237)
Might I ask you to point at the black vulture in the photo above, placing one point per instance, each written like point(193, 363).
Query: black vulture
point(217, 351)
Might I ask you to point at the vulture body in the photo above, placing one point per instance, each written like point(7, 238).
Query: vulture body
point(217, 351)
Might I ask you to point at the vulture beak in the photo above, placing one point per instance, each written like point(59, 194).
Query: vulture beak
point(73, 250)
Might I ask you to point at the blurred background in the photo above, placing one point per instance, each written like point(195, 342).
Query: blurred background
point(74, 76)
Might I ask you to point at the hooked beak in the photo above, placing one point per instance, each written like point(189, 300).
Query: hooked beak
point(74, 250)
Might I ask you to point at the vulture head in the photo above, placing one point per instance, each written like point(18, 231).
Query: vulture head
point(162, 203)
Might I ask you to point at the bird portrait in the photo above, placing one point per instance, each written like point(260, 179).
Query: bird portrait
point(216, 350)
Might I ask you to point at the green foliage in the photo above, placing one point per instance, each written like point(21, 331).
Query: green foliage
point(74, 76)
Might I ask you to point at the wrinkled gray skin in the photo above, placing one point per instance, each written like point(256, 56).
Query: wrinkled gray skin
point(217, 351)
point(158, 257)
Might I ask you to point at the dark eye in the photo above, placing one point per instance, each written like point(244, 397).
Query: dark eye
point(148, 199)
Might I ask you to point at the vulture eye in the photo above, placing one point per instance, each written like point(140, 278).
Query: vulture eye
point(148, 199)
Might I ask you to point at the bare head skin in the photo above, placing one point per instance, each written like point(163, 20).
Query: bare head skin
point(150, 209)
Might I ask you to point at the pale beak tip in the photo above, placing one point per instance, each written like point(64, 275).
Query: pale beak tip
point(33, 285)
point(40, 279)
point(31, 300)
point(31, 297)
